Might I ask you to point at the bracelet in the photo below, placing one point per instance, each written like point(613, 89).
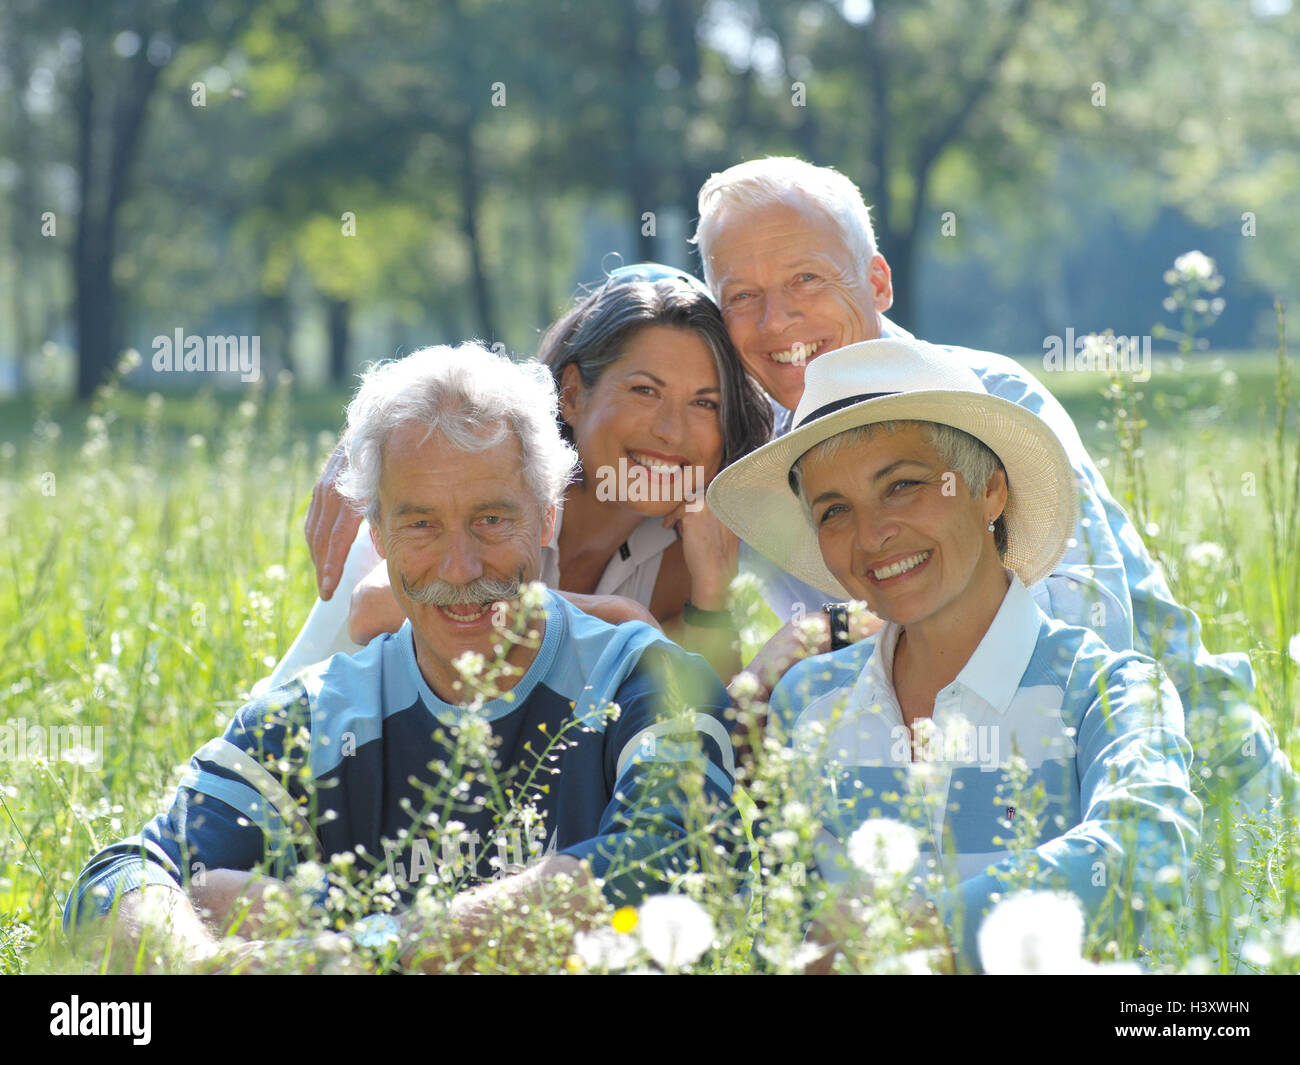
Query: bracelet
point(707, 619)
point(839, 618)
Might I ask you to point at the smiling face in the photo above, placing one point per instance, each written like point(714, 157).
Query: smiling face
point(657, 408)
point(790, 290)
point(469, 521)
point(893, 537)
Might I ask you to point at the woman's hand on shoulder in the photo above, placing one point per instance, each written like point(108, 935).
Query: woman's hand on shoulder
point(331, 525)
point(373, 609)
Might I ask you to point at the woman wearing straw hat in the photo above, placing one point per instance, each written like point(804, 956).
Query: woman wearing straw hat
point(906, 485)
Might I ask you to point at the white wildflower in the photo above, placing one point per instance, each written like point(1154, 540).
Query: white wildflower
point(469, 664)
point(884, 848)
point(789, 958)
point(744, 686)
point(1195, 264)
point(674, 929)
point(1033, 933)
point(532, 596)
point(605, 948)
point(1293, 648)
point(784, 841)
point(1207, 553)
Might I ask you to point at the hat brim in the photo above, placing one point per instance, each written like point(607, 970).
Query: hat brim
point(753, 497)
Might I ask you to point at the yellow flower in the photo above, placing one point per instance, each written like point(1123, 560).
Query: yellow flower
point(624, 920)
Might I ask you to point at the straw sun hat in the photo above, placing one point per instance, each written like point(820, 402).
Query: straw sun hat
point(887, 380)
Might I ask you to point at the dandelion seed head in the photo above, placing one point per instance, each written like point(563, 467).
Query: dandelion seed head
point(884, 848)
point(675, 930)
point(1033, 933)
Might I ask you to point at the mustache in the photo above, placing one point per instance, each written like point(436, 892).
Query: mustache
point(482, 590)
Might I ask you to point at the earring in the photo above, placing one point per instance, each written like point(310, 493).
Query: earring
point(991, 523)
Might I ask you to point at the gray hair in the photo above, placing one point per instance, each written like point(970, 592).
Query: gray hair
point(472, 396)
point(967, 456)
point(783, 179)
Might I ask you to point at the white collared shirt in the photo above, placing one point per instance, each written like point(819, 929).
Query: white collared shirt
point(634, 567)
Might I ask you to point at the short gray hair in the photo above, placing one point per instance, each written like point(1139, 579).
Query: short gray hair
point(967, 456)
point(472, 396)
point(780, 179)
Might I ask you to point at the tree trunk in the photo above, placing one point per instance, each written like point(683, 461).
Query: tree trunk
point(339, 313)
point(636, 171)
point(27, 259)
point(469, 203)
point(91, 254)
point(275, 326)
point(105, 156)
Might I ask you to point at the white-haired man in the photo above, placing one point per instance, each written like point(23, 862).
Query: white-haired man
point(419, 753)
point(789, 253)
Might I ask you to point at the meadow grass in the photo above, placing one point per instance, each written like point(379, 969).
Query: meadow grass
point(156, 569)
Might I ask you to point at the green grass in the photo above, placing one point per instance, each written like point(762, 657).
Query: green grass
point(155, 567)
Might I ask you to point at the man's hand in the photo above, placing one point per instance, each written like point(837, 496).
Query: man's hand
point(494, 917)
point(154, 930)
point(226, 895)
point(331, 525)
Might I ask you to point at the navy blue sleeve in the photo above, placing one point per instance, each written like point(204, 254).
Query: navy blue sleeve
point(668, 755)
point(235, 808)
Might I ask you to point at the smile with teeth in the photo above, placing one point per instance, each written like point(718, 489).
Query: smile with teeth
point(900, 567)
point(466, 611)
point(797, 352)
point(654, 465)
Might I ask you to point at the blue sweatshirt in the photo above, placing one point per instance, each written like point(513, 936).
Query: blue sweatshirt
point(362, 756)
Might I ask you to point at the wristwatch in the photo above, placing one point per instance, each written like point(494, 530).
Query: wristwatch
point(839, 617)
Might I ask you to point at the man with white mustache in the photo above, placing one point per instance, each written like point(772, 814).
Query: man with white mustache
point(457, 461)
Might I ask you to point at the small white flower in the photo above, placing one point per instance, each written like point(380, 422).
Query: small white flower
point(532, 596)
point(744, 686)
point(1293, 648)
point(784, 841)
point(1195, 264)
point(911, 963)
point(1207, 553)
point(469, 665)
point(788, 959)
point(1033, 933)
point(606, 948)
point(812, 631)
point(884, 848)
point(674, 929)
